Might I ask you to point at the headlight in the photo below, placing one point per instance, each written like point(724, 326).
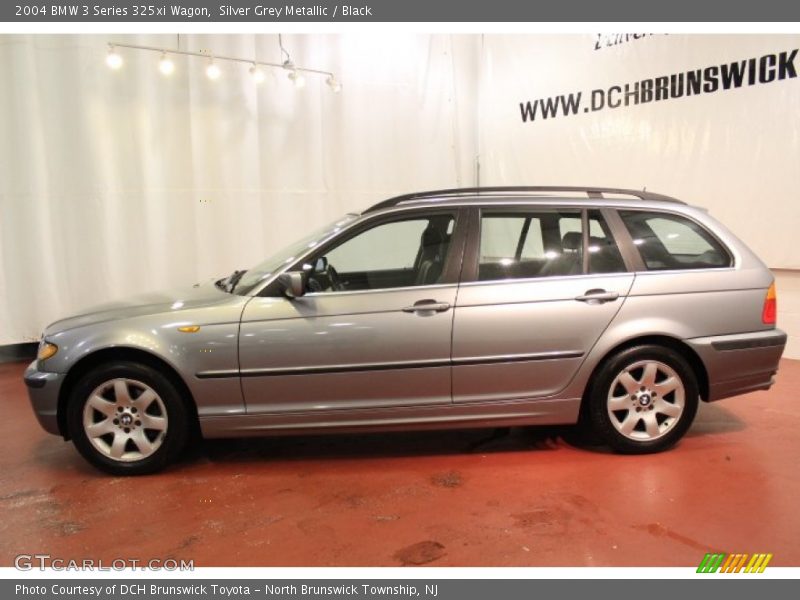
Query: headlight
point(46, 350)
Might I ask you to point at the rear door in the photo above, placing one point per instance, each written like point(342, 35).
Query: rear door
point(540, 285)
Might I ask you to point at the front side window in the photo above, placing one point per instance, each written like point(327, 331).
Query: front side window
point(521, 245)
point(402, 253)
point(254, 276)
point(667, 241)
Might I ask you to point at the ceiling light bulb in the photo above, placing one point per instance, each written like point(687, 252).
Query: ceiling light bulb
point(113, 60)
point(212, 71)
point(297, 79)
point(335, 85)
point(166, 66)
point(257, 74)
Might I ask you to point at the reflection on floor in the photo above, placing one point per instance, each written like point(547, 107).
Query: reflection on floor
point(520, 497)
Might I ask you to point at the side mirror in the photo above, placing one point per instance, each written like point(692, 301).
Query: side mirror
point(293, 283)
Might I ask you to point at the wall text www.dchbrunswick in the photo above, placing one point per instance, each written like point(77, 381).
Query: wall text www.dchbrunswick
point(705, 80)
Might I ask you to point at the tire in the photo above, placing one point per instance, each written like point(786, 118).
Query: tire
point(657, 381)
point(127, 418)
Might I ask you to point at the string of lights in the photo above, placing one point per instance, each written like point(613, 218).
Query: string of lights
point(166, 66)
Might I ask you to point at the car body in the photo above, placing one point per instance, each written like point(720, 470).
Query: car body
point(455, 308)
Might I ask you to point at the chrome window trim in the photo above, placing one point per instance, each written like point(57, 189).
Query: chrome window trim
point(614, 204)
point(378, 290)
point(684, 271)
point(512, 280)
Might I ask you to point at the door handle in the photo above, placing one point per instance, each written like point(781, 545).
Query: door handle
point(427, 305)
point(597, 296)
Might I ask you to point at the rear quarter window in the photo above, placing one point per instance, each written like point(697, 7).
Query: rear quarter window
point(668, 242)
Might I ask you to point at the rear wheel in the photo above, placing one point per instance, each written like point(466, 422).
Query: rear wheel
point(643, 400)
point(127, 419)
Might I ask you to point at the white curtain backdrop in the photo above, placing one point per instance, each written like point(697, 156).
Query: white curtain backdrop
point(117, 182)
point(735, 152)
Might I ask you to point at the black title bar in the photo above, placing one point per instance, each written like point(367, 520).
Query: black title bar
point(230, 11)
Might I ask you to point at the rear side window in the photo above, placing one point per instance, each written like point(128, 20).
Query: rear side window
point(604, 255)
point(667, 241)
point(519, 245)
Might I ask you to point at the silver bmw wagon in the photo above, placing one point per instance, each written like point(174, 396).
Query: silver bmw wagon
point(488, 307)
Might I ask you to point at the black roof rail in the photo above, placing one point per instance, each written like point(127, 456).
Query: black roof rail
point(591, 192)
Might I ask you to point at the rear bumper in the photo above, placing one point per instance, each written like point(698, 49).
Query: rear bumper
point(740, 363)
point(43, 390)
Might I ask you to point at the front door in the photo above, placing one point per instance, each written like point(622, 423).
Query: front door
point(374, 328)
point(544, 285)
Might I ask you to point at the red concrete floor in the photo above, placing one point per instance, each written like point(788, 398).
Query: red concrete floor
point(438, 498)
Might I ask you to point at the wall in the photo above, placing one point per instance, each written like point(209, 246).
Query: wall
point(117, 182)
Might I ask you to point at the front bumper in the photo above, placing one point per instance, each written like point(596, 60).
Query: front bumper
point(740, 363)
point(43, 390)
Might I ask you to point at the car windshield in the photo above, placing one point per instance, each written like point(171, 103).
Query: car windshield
point(266, 268)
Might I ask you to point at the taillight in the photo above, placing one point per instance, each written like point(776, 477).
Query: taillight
point(770, 313)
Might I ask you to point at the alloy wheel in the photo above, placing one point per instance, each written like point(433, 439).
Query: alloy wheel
point(646, 400)
point(125, 420)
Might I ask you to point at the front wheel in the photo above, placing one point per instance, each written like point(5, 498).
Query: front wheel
point(643, 400)
point(127, 419)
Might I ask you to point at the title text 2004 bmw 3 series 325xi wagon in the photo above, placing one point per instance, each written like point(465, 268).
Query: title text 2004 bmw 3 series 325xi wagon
point(458, 308)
